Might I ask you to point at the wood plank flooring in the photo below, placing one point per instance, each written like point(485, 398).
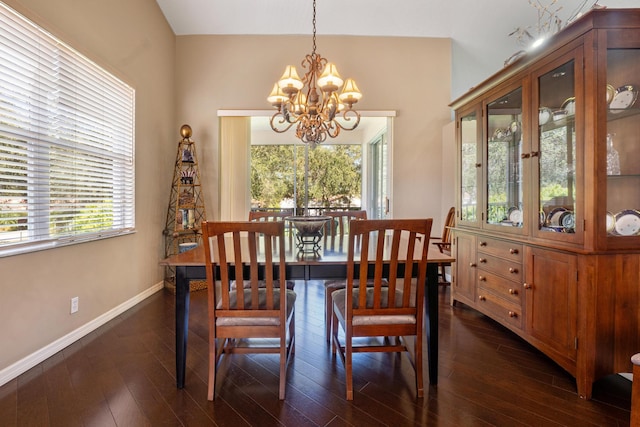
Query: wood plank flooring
point(123, 374)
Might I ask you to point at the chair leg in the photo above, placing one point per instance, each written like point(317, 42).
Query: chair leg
point(212, 370)
point(283, 364)
point(418, 365)
point(328, 312)
point(348, 365)
point(334, 331)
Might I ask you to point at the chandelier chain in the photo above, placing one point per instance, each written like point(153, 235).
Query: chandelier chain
point(314, 28)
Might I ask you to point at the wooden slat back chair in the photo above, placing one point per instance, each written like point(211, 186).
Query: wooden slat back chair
point(263, 311)
point(337, 228)
point(276, 216)
point(444, 245)
point(335, 232)
point(394, 309)
point(268, 215)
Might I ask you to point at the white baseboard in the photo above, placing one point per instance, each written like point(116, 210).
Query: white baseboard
point(23, 365)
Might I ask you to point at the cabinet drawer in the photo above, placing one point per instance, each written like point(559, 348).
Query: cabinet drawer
point(507, 289)
point(501, 248)
point(507, 268)
point(499, 309)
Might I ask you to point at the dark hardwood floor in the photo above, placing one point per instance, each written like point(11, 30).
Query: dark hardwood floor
point(123, 374)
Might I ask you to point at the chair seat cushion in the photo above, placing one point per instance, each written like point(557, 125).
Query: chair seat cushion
point(262, 302)
point(339, 307)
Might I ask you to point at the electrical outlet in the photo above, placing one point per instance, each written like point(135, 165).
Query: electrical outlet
point(74, 304)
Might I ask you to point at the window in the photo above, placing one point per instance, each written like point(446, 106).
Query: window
point(66, 143)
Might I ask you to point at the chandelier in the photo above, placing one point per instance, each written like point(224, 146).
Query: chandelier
point(314, 103)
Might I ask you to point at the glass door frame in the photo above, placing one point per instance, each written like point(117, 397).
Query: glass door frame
point(576, 54)
point(524, 85)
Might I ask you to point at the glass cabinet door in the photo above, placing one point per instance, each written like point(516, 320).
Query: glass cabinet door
point(504, 198)
point(557, 151)
point(623, 145)
point(469, 137)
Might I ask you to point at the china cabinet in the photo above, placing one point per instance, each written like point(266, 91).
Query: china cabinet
point(547, 236)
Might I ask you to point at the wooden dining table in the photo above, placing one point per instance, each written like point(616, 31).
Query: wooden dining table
point(329, 261)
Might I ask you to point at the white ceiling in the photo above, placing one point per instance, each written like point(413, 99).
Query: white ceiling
point(479, 29)
point(462, 19)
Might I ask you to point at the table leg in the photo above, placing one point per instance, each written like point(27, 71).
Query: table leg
point(182, 323)
point(431, 319)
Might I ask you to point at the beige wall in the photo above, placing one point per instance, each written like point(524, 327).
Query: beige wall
point(186, 80)
point(408, 75)
point(132, 39)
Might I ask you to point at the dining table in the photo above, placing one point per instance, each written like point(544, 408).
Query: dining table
point(327, 261)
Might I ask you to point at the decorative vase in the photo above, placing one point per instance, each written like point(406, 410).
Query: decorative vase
point(613, 159)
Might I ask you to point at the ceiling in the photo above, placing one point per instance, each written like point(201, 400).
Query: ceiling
point(479, 29)
point(462, 19)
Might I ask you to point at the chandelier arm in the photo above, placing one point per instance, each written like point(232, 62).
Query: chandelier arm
point(347, 116)
point(281, 119)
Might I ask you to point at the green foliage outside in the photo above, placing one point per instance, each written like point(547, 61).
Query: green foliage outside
point(334, 175)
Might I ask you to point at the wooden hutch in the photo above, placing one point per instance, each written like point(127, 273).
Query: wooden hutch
point(547, 235)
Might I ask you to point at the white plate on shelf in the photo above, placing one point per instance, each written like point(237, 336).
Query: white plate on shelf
point(611, 222)
point(515, 216)
point(569, 105)
point(568, 220)
point(554, 216)
point(627, 222)
point(611, 92)
point(624, 98)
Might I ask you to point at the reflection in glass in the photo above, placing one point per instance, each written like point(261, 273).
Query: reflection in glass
point(469, 168)
point(504, 164)
point(557, 152)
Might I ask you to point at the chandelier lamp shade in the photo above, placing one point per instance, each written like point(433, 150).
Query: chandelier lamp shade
point(319, 104)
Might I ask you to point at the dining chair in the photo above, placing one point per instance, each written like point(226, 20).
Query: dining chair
point(335, 232)
point(391, 249)
point(444, 245)
point(269, 215)
point(260, 308)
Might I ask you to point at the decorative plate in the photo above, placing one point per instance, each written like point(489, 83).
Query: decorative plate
point(554, 216)
point(559, 115)
point(568, 220)
point(611, 92)
point(543, 216)
point(544, 115)
point(569, 105)
point(611, 222)
point(624, 98)
point(628, 222)
point(515, 216)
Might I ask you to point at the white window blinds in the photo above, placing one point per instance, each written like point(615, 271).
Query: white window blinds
point(66, 143)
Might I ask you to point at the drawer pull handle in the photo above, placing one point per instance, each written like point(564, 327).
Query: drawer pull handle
point(513, 270)
point(513, 251)
point(483, 243)
point(513, 291)
point(482, 298)
point(483, 260)
point(527, 286)
point(472, 264)
point(513, 314)
point(482, 278)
